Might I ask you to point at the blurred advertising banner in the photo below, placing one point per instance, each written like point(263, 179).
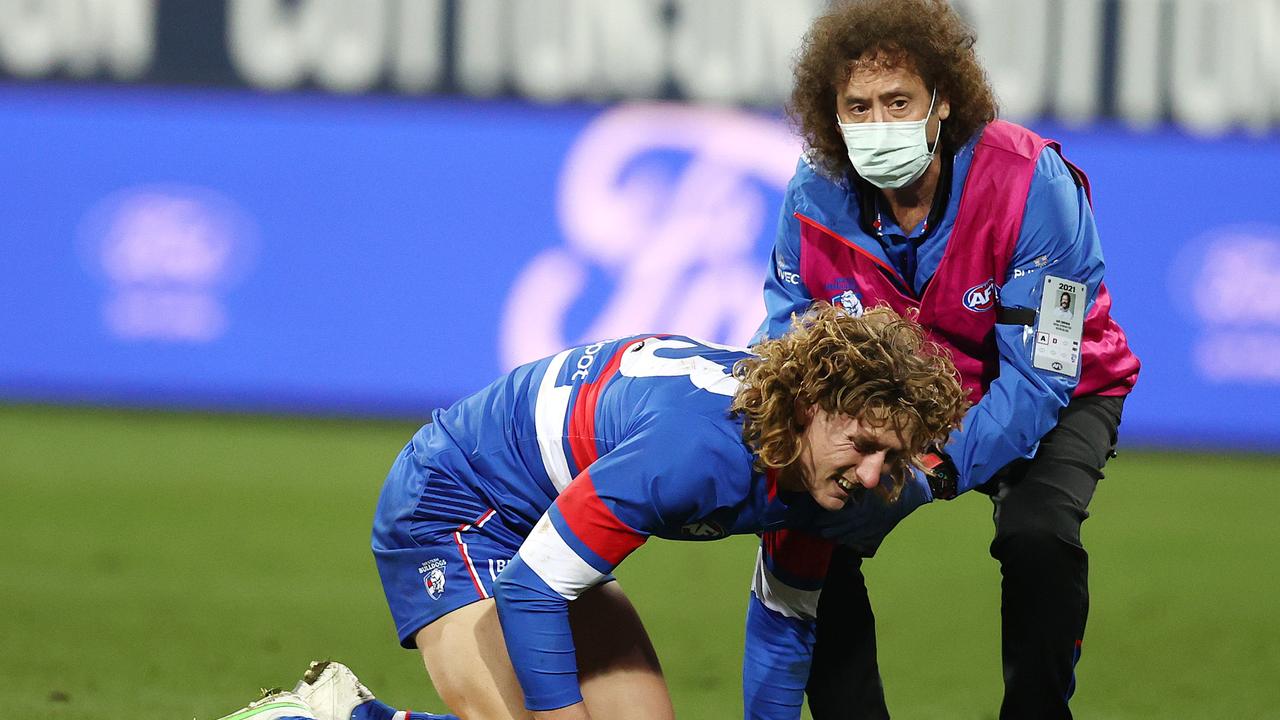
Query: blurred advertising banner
point(214, 249)
point(1209, 65)
point(311, 253)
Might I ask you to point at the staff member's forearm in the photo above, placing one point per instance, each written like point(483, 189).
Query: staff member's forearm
point(1023, 402)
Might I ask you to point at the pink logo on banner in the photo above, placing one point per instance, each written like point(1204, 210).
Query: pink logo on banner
point(167, 253)
point(1228, 280)
point(677, 250)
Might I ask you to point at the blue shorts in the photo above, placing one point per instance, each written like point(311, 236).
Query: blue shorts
point(438, 545)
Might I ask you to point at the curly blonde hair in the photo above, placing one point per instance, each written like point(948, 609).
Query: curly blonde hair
point(926, 36)
point(878, 368)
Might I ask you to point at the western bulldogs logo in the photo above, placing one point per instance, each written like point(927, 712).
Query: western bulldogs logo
point(433, 580)
point(850, 302)
point(981, 298)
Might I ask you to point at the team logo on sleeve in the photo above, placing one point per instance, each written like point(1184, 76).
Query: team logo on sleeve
point(433, 576)
point(981, 298)
point(849, 302)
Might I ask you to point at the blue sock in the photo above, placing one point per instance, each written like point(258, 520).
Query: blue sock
point(378, 710)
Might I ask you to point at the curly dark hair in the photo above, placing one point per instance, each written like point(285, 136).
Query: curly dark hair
point(878, 368)
point(928, 36)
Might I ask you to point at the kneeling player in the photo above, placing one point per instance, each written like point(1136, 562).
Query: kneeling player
point(500, 522)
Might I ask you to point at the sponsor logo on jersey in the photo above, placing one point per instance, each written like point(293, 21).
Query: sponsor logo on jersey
point(849, 302)
point(703, 530)
point(433, 576)
point(981, 298)
point(587, 359)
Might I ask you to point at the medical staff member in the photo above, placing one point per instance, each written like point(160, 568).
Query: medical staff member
point(912, 193)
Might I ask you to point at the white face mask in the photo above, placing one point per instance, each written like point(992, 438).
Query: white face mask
point(890, 155)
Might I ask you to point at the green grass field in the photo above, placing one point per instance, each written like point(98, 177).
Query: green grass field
point(168, 565)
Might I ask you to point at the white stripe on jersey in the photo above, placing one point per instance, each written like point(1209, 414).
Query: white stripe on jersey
point(549, 411)
point(551, 558)
point(781, 597)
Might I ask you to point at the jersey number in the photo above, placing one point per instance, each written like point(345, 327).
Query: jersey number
point(640, 360)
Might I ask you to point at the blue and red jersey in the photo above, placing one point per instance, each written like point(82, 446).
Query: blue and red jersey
point(586, 455)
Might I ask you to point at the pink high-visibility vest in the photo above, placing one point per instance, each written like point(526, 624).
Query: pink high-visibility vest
point(959, 305)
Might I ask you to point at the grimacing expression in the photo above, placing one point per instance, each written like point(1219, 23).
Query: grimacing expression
point(838, 453)
point(882, 92)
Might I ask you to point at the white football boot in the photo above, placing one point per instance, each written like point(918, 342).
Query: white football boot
point(273, 706)
point(332, 690)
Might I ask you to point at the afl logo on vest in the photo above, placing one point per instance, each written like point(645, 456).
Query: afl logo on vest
point(981, 298)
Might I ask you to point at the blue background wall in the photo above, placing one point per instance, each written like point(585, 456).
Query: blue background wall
point(220, 249)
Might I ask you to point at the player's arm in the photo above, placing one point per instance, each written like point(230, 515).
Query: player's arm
point(790, 568)
point(1058, 238)
point(784, 293)
point(648, 481)
point(573, 547)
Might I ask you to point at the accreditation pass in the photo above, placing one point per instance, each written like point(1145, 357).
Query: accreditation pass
point(1059, 326)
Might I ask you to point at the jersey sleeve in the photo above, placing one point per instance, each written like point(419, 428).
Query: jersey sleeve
point(781, 619)
point(1058, 238)
point(784, 292)
point(864, 523)
point(659, 476)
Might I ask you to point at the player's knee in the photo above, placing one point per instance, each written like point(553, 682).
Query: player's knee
point(475, 695)
point(468, 666)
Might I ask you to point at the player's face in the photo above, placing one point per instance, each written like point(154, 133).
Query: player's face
point(838, 453)
point(876, 93)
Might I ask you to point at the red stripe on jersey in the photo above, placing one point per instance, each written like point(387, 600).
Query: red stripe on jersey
point(582, 417)
point(798, 554)
point(770, 484)
point(594, 523)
